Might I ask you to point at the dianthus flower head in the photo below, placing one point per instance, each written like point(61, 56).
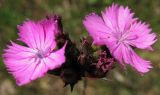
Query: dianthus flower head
point(120, 31)
point(27, 63)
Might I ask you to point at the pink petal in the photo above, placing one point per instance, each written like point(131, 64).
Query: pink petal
point(19, 62)
point(39, 71)
point(110, 17)
point(23, 75)
point(55, 59)
point(125, 18)
point(16, 51)
point(117, 53)
point(141, 36)
point(50, 30)
point(96, 28)
point(29, 34)
point(38, 35)
point(128, 56)
point(118, 18)
point(141, 65)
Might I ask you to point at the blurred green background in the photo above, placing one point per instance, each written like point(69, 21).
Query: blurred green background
point(14, 12)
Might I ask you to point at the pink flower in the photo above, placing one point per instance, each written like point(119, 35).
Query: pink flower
point(27, 63)
point(119, 31)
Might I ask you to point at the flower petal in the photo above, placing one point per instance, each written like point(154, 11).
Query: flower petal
point(55, 59)
point(124, 53)
point(50, 31)
point(20, 62)
point(96, 28)
point(29, 33)
point(38, 35)
point(140, 64)
point(125, 18)
point(16, 51)
point(110, 17)
point(141, 36)
point(118, 18)
point(39, 71)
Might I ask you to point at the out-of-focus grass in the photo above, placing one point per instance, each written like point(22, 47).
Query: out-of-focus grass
point(14, 12)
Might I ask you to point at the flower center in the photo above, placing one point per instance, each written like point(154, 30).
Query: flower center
point(122, 37)
point(40, 54)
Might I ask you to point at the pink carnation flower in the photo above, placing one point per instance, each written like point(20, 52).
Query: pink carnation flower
point(27, 63)
point(119, 31)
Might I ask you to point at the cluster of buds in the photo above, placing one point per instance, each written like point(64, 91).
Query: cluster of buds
point(81, 62)
point(104, 63)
